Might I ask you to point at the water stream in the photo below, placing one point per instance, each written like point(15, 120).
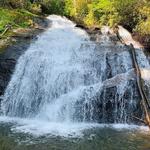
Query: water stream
point(65, 85)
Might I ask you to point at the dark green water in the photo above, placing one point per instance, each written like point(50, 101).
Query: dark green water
point(92, 139)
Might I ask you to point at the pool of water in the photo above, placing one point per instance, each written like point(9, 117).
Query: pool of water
point(13, 136)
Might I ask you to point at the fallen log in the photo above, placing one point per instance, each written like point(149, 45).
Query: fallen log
point(145, 102)
point(140, 86)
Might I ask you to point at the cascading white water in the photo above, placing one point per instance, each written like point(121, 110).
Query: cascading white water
point(51, 75)
point(64, 77)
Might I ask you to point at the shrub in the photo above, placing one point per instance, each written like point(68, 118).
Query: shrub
point(51, 6)
point(16, 18)
point(35, 8)
point(15, 3)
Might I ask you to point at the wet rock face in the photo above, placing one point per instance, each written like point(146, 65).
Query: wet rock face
point(8, 61)
point(120, 107)
point(9, 57)
point(118, 100)
point(113, 98)
point(111, 104)
point(6, 67)
point(120, 94)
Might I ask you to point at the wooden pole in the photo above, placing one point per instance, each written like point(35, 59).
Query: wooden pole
point(145, 101)
point(140, 86)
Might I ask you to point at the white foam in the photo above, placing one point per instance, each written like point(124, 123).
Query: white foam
point(44, 128)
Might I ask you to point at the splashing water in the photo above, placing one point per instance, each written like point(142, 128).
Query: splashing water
point(51, 75)
point(62, 77)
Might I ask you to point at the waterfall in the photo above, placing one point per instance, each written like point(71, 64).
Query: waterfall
point(65, 77)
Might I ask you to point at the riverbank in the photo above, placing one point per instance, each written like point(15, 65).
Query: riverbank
point(18, 22)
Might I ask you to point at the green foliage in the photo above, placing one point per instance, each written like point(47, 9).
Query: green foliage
point(15, 3)
point(16, 18)
point(132, 14)
point(90, 18)
point(105, 12)
point(127, 11)
point(51, 6)
point(35, 8)
point(143, 26)
point(69, 8)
